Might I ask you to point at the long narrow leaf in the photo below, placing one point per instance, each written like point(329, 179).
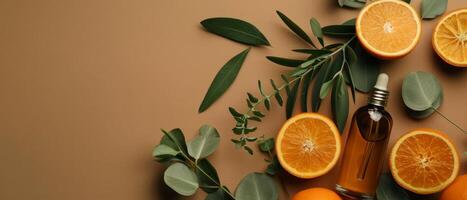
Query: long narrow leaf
point(304, 94)
point(292, 96)
point(316, 28)
point(339, 30)
point(325, 74)
point(340, 103)
point(236, 30)
point(285, 61)
point(224, 78)
point(295, 28)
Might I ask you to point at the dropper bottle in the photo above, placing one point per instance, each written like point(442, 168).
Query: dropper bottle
point(366, 144)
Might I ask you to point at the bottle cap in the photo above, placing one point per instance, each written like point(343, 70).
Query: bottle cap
point(382, 82)
point(379, 96)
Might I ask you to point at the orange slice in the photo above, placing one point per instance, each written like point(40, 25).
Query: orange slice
point(308, 145)
point(388, 29)
point(450, 38)
point(424, 161)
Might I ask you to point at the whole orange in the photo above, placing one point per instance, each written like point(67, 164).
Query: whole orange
point(457, 190)
point(316, 194)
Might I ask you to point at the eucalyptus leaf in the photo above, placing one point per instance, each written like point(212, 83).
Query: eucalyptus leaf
point(433, 8)
point(236, 30)
point(181, 179)
point(340, 103)
point(256, 186)
point(163, 151)
point(388, 189)
point(339, 30)
point(295, 28)
point(292, 96)
point(426, 113)
point(207, 176)
point(220, 194)
point(205, 143)
point(420, 91)
point(177, 139)
point(316, 28)
point(353, 3)
point(365, 70)
point(287, 62)
point(223, 80)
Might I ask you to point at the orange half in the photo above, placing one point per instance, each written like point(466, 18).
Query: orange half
point(450, 38)
point(308, 145)
point(424, 161)
point(388, 29)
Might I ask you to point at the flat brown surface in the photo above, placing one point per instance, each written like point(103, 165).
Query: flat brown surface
point(86, 85)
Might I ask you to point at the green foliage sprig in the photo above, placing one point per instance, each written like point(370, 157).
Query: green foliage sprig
point(331, 66)
point(189, 168)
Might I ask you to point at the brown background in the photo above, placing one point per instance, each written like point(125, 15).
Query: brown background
point(86, 85)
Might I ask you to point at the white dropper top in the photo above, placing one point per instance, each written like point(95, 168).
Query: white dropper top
point(382, 82)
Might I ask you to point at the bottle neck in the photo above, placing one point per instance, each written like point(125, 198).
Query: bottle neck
point(378, 98)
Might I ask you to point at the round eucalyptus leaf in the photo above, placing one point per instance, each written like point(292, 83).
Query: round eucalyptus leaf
point(207, 176)
point(205, 143)
point(256, 186)
point(181, 179)
point(420, 91)
point(426, 113)
point(164, 151)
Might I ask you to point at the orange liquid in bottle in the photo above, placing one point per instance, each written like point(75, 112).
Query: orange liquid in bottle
point(364, 152)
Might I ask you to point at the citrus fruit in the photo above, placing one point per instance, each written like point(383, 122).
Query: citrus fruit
point(424, 161)
point(308, 145)
point(315, 194)
point(388, 29)
point(450, 38)
point(457, 190)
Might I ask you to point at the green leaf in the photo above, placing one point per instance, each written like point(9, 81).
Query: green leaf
point(351, 60)
point(295, 28)
point(316, 28)
point(314, 52)
point(325, 88)
point(274, 167)
point(258, 113)
point(256, 186)
point(286, 81)
point(339, 30)
point(277, 95)
point(426, 113)
point(420, 91)
point(292, 96)
point(433, 8)
point(177, 139)
point(163, 151)
point(207, 176)
point(266, 145)
point(252, 98)
point(181, 179)
point(388, 189)
point(325, 74)
point(340, 103)
point(220, 194)
point(223, 80)
point(365, 70)
point(260, 87)
point(267, 103)
point(285, 61)
point(234, 112)
point(352, 3)
point(248, 149)
point(407, 1)
point(304, 94)
point(205, 143)
point(236, 30)
point(350, 22)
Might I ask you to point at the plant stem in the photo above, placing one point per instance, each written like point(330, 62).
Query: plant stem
point(457, 126)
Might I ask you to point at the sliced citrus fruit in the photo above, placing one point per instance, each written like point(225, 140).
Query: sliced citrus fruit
point(424, 161)
point(450, 38)
point(308, 145)
point(388, 29)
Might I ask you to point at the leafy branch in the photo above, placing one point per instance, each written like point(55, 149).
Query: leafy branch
point(189, 169)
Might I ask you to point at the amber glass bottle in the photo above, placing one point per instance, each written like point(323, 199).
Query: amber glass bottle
point(365, 147)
